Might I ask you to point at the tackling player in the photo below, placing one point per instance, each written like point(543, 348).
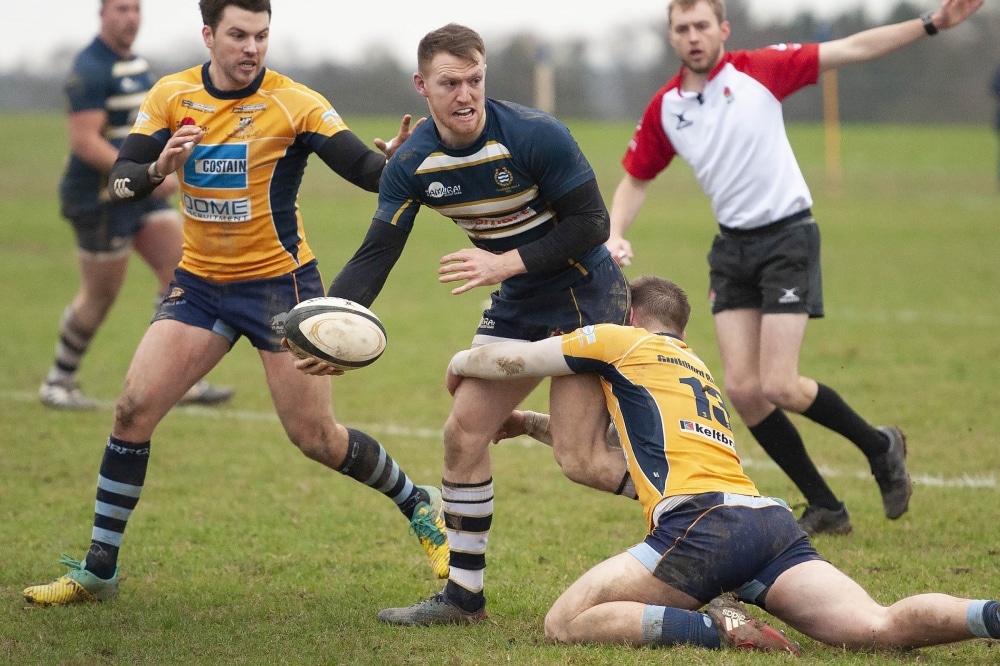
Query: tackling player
point(710, 530)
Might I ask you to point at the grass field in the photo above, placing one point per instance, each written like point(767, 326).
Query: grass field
point(242, 551)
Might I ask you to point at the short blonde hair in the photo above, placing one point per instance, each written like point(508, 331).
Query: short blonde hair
point(717, 6)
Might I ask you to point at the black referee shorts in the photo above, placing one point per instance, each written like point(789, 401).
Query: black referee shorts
point(775, 268)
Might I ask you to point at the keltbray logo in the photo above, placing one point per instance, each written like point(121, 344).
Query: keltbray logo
point(706, 432)
point(437, 190)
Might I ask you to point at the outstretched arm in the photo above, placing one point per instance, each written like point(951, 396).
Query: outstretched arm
point(877, 42)
point(508, 360)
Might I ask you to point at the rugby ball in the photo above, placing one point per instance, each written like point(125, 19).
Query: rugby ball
point(336, 330)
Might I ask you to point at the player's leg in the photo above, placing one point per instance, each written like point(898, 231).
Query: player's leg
point(826, 604)
point(740, 342)
point(579, 427)
point(479, 408)
point(791, 292)
point(303, 405)
point(608, 603)
point(158, 242)
point(102, 256)
point(620, 602)
point(169, 358)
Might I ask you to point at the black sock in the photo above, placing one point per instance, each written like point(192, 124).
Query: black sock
point(830, 411)
point(122, 475)
point(778, 436)
point(465, 599)
point(368, 462)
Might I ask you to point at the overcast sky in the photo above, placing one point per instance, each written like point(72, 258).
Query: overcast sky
point(336, 30)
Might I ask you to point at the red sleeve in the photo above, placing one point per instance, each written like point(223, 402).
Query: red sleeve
point(650, 151)
point(782, 68)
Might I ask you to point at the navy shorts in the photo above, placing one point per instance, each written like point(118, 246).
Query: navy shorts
point(721, 542)
point(254, 308)
point(775, 268)
point(602, 297)
point(111, 226)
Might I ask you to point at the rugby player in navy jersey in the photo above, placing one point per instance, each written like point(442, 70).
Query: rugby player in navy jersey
point(515, 181)
point(104, 90)
point(713, 539)
point(722, 114)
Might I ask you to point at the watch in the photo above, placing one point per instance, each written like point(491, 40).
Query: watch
point(929, 26)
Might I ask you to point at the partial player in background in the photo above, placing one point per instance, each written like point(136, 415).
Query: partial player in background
point(246, 263)
point(711, 532)
point(515, 181)
point(722, 114)
point(105, 87)
point(995, 86)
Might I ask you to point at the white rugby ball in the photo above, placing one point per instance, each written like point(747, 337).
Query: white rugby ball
point(336, 330)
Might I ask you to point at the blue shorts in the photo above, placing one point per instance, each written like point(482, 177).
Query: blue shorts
point(721, 542)
point(602, 297)
point(110, 226)
point(254, 308)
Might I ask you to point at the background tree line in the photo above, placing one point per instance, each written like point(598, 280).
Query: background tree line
point(939, 80)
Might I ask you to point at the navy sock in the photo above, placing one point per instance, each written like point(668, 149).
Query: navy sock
point(991, 618)
point(368, 462)
point(679, 627)
point(119, 484)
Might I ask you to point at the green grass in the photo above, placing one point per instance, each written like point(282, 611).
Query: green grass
point(242, 551)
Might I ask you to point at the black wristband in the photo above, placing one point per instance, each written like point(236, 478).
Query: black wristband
point(929, 26)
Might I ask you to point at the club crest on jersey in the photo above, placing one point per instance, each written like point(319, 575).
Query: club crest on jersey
point(728, 94)
point(503, 177)
point(245, 129)
point(706, 432)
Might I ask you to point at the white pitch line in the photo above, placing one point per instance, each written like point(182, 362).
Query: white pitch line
point(395, 430)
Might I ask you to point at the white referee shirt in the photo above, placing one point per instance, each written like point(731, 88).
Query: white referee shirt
point(732, 134)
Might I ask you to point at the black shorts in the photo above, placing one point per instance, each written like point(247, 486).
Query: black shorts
point(602, 297)
point(775, 269)
point(110, 226)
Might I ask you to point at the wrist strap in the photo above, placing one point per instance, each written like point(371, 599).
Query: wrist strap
point(929, 26)
point(155, 176)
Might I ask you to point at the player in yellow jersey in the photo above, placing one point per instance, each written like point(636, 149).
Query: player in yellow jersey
point(238, 135)
point(713, 539)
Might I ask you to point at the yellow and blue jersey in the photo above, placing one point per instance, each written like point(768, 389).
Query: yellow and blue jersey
point(669, 412)
point(239, 187)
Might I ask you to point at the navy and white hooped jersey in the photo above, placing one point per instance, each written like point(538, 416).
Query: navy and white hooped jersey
point(732, 134)
point(102, 80)
point(499, 190)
